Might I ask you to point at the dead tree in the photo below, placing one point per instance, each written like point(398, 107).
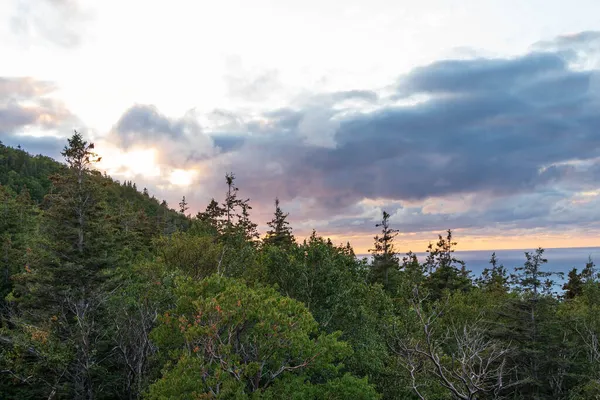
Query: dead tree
point(463, 359)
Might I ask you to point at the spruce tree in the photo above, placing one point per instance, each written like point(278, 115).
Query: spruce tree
point(494, 279)
point(61, 296)
point(574, 286)
point(247, 228)
point(385, 259)
point(446, 272)
point(183, 206)
point(531, 278)
point(211, 217)
point(280, 233)
point(529, 319)
point(230, 207)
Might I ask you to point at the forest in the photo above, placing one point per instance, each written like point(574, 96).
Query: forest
point(109, 293)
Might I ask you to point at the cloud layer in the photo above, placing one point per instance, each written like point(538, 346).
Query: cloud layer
point(484, 145)
point(27, 107)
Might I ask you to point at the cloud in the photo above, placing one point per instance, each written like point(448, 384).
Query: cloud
point(492, 143)
point(180, 141)
point(26, 104)
point(60, 22)
point(571, 42)
point(479, 76)
point(503, 130)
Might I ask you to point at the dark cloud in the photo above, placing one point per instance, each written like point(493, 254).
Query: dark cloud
point(227, 143)
point(468, 77)
point(145, 122)
point(180, 141)
point(501, 127)
point(60, 22)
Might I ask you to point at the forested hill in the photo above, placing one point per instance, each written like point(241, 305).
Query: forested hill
point(107, 293)
point(20, 170)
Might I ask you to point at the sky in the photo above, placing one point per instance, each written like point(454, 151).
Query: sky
point(477, 116)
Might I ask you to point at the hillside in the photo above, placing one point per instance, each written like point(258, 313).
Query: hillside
point(19, 169)
point(109, 294)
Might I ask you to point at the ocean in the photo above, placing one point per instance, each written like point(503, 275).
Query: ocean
point(559, 260)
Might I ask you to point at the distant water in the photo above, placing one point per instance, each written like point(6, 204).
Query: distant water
point(559, 260)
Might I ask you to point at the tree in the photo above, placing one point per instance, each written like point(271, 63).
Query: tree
point(230, 206)
point(385, 260)
point(237, 232)
point(333, 284)
point(574, 286)
point(63, 294)
point(247, 228)
point(195, 256)
point(18, 224)
point(146, 293)
point(183, 206)
point(445, 272)
point(280, 233)
point(210, 219)
point(494, 279)
point(529, 278)
point(589, 273)
point(243, 341)
point(543, 358)
point(463, 360)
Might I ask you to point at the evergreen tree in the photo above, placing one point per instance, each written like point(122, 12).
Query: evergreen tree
point(574, 286)
point(63, 294)
point(446, 272)
point(280, 233)
point(589, 273)
point(230, 207)
point(529, 278)
point(494, 279)
point(183, 206)
point(385, 260)
point(247, 228)
point(18, 225)
point(530, 321)
point(236, 232)
point(211, 217)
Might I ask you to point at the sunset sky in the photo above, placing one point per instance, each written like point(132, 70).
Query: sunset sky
point(480, 116)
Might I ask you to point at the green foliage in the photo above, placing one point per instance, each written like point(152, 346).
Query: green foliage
point(241, 340)
point(445, 272)
point(18, 169)
point(529, 278)
point(385, 265)
point(494, 279)
point(280, 233)
point(109, 293)
point(146, 290)
point(333, 284)
point(193, 255)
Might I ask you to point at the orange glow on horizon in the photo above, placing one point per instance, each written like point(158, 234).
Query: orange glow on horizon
point(362, 243)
